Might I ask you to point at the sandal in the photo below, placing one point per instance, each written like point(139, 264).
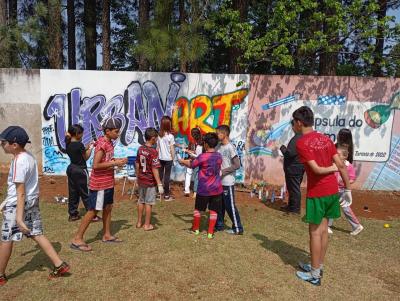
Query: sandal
point(82, 247)
point(112, 240)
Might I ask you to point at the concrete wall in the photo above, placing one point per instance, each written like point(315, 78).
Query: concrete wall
point(257, 108)
point(20, 105)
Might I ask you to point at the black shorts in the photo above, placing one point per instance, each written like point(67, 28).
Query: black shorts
point(213, 202)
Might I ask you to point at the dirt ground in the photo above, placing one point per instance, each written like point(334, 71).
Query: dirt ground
point(381, 205)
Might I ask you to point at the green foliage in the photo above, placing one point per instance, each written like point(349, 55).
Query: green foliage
point(277, 36)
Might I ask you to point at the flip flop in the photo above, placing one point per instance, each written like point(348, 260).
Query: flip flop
point(113, 240)
point(139, 226)
point(79, 247)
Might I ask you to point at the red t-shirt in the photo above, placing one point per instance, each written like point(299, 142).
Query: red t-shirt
point(320, 148)
point(101, 179)
point(147, 158)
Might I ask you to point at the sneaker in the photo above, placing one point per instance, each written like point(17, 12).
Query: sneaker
point(306, 267)
point(210, 235)
point(195, 232)
point(168, 198)
point(3, 280)
point(330, 230)
point(233, 232)
point(357, 231)
point(73, 218)
point(59, 271)
point(306, 276)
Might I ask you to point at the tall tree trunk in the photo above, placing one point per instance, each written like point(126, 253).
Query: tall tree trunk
point(89, 21)
point(144, 17)
point(235, 52)
point(106, 35)
point(328, 60)
point(380, 40)
point(182, 17)
point(71, 34)
point(54, 31)
point(12, 10)
point(3, 12)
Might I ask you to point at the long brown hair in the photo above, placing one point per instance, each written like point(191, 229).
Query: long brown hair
point(165, 125)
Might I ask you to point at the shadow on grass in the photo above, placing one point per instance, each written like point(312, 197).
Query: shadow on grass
point(288, 253)
point(39, 262)
point(116, 226)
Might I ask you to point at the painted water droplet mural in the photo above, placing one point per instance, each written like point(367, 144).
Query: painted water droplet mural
point(379, 114)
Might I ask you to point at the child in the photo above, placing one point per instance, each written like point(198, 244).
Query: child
point(195, 148)
point(348, 213)
point(345, 138)
point(101, 185)
point(294, 171)
point(21, 214)
point(77, 171)
point(147, 165)
point(316, 151)
point(230, 163)
point(166, 150)
point(209, 192)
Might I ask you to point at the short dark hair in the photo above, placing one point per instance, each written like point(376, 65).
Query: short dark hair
point(211, 139)
point(305, 115)
point(150, 133)
point(196, 134)
point(224, 128)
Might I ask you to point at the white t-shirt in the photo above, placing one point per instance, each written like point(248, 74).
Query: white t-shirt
point(228, 152)
point(23, 169)
point(164, 145)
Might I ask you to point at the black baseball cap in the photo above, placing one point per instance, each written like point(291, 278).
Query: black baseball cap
point(15, 134)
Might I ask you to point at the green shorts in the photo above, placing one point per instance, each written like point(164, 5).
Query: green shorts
point(322, 207)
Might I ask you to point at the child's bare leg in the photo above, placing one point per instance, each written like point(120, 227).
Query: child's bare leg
point(87, 219)
point(147, 225)
point(107, 222)
point(48, 249)
point(315, 245)
point(324, 239)
point(5, 254)
point(140, 208)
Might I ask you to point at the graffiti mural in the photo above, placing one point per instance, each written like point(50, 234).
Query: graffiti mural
point(89, 97)
point(358, 105)
point(257, 108)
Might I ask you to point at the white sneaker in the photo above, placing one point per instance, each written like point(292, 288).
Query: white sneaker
point(357, 231)
point(330, 230)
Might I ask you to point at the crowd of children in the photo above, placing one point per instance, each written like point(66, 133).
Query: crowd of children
point(212, 162)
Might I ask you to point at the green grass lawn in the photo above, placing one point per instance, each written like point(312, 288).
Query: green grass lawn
point(171, 264)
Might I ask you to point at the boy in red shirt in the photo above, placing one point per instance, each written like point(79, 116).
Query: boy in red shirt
point(317, 152)
point(101, 185)
point(147, 165)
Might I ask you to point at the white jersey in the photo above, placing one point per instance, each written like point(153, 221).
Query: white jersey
point(164, 145)
point(23, 169)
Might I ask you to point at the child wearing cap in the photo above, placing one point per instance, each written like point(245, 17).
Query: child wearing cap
point(101, 185)
point(21, 214)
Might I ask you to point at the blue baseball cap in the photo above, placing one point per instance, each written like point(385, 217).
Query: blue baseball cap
point(15, 134)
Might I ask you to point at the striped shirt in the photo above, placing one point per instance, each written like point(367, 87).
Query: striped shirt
point(101, 179)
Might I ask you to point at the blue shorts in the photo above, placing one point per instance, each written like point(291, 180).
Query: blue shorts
point(99, 199)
